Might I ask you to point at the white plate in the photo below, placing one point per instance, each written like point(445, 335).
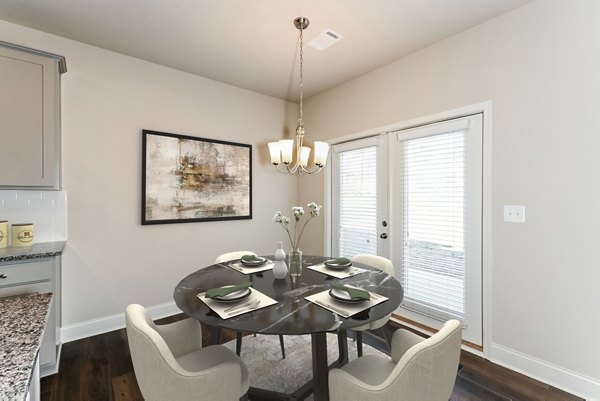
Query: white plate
point(336, 266)
point(343, 296)
point(259, 262)
point(234, 296)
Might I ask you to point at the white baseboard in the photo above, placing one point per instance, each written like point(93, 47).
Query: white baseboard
point(76, 331)
point(546, 372)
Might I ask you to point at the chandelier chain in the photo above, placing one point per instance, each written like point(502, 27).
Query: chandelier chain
point(301, 119)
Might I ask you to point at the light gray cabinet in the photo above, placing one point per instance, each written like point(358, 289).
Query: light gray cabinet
point(29, 117)
point(31, 276)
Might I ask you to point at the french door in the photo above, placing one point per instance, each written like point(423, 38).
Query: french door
point(430, 225)
point(359, 193)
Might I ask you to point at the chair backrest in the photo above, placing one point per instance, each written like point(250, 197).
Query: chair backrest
point(427, 370)
point(170, 363)
point(378, 262)
point(224, 257)
point(150, 353)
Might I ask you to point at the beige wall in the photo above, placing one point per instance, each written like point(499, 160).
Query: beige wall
point(107, 99)
point(539, 66)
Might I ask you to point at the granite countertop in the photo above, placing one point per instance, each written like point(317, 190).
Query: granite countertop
point(22, 324)
point(41, 250)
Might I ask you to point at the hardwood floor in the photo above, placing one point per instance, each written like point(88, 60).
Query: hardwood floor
point(99, 368)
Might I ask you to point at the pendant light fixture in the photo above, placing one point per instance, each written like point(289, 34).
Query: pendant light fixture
point(283, 150)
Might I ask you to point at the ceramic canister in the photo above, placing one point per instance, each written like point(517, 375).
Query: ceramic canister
point(22, 234)
point(3, 233)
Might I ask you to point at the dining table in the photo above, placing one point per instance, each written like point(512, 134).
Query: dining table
point(292, 314)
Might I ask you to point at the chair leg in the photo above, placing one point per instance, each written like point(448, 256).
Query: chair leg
point(388, 340)
point(238, 343)
point(282, 346)
point(215, 335)
point(359, 350)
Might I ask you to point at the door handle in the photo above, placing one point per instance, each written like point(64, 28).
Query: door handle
point(3, 276)
point(383, 236)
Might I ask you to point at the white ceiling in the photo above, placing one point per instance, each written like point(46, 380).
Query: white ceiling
point(252, 44)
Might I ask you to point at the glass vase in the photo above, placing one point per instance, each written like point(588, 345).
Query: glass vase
point(295, 263)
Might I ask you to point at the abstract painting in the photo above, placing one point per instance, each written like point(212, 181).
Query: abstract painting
point(188, 179)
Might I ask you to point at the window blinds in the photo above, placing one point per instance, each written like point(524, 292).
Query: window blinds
point(358, 201)
point(433, 247)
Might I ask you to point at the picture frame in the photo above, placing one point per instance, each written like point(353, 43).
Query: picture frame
point(189, 179)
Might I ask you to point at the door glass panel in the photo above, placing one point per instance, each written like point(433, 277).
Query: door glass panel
point(356, 197)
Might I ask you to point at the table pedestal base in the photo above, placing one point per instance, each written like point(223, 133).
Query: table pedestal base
point(319, 385)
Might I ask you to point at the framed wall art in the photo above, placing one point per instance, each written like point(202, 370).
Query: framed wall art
point(188, 179)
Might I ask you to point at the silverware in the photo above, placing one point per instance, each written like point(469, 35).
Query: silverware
point(333, 308)
point(234, 267)
point(250, 305)
point(355, 270)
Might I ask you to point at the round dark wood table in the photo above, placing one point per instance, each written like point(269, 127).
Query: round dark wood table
point(292, 314)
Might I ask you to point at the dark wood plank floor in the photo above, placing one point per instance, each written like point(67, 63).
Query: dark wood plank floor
point(99, 368)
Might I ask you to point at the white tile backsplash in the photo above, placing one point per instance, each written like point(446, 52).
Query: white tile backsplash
point(29, 195)
point(8, 195)
point(47, 210)
point(46, 203)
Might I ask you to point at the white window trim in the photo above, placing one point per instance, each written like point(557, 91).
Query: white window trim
point(486, 109)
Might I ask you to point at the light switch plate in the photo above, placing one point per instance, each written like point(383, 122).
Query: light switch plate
point(514, 213)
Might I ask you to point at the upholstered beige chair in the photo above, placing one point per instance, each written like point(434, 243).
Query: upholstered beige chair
point(419, 370)
point(170, 363)
point(386, 266)
point(224, 257)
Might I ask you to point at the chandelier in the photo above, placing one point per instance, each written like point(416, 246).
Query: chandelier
point(283, 150)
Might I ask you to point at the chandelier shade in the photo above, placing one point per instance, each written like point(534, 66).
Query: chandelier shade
point(284, 151)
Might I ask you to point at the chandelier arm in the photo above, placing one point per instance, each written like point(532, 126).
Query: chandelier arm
point(315, 171)
point(285, 169)
point(292, 169)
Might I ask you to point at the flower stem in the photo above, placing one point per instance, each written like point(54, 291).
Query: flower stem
point(289, 235)
point(302, 231)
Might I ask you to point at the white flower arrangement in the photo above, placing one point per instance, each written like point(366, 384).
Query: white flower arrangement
point(298, 211)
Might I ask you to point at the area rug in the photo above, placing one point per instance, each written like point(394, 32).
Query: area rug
point(262, 355)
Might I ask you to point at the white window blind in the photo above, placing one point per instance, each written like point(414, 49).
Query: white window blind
point(357, 201)
point(433, 251)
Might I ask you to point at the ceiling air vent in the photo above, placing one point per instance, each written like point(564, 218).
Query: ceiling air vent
point(326, 39)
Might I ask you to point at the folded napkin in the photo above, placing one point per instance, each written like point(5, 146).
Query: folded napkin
point(338, 262)
point(353, 292)
point(252, 259)
point(222, 291)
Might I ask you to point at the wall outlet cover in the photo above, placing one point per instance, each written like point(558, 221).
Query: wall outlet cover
point(514, 213)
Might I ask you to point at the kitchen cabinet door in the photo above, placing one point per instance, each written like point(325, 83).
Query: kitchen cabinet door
point(29, 120)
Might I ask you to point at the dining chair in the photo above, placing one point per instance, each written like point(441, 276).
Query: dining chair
point(170, 363)
point(386, 266)
point(224, 257)
point(419, 369)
